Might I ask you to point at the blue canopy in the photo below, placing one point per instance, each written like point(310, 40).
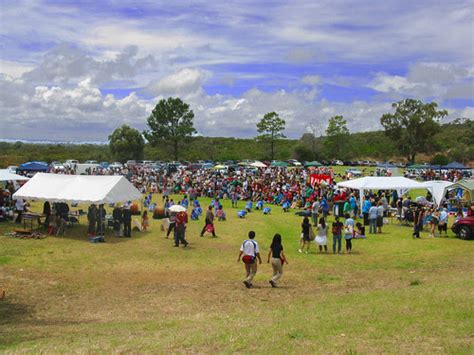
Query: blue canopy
point(455, 165)
point(34, 166)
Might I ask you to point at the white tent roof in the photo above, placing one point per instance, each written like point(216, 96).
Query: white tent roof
point(7, 175)
point(258, 164)
point(381, 183)
point(437, 189)
point(78, 189)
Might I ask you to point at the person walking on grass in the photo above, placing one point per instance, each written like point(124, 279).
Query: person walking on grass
point(337, 235)
point(209, 223)
point(180, 229)
point(250, 252)
point(348, 233)
point(322, 237)
point(278, 259)
point(305, 233)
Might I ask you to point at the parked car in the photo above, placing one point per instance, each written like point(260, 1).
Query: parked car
point(57, 165)
point(71, 163)
point(90, 162)
point(115, 165)
point(337, 162)
point(464, 228)
point(104, 164)
point(354, 172)
point(12, 169)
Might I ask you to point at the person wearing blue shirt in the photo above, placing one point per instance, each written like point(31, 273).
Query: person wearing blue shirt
point(353, 204)
point(324, 206)
point(365, 210)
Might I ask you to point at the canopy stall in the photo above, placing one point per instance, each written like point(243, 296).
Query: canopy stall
point(467, 185)
point(437, 189)
point(78, 189)
point(7, 175)
point(34, 166)
point(455, 165)
point(399, 183)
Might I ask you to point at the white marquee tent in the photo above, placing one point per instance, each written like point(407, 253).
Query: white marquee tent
point(399, 183)
point(7, 175)
point(437, 189)
point(78, 189)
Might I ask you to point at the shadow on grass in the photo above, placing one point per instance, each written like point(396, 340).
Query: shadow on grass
point(13, 313)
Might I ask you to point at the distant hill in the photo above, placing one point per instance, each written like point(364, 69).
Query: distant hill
point(454, 142)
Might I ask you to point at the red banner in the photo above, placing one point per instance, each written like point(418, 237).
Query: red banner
point(318, 178)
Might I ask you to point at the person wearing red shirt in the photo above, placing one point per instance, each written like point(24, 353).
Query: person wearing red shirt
point(180, 229)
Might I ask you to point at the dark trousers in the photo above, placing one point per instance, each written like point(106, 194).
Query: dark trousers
point(170, 228)
point(179, 237)
point(100, 228)
point(348, 244)
point(336, 239)
point(18, 217)
point(127, 229)
point(91, 228)
point(366, 218)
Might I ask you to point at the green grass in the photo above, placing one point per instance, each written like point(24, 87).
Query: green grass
point(393, 294)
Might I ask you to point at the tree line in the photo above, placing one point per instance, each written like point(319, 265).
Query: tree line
point(412, 129)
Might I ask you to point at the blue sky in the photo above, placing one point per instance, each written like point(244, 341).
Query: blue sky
point(75, 70)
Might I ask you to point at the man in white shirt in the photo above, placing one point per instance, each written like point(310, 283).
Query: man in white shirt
point(250, 251)
point(20, 208)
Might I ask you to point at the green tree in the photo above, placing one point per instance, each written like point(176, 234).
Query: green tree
point(170, 122)
point(126, 143)
point(337, 136)
point(270, 128)
point(412, 126)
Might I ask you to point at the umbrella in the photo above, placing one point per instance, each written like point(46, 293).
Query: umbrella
point(313, 163)
point(258, 164)
point(177, 208)
point(279, 163)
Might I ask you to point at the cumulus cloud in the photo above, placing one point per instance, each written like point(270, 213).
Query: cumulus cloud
point(428, 80)
point(66, 64)
point(183, 82)
point(54, 112)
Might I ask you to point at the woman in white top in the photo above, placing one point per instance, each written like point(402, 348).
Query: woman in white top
point(322, 237)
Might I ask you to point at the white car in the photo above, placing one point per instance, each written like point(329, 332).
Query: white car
point(12, 169)
point(354, 172)
point(90, 162)
point(71, 163)
point(57, 165)
point(338, 162)
point(115, 165)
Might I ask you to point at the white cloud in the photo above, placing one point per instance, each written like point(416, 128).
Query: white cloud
point(13, 69)
point(438, 81)
point(184, 82)
point(390, 83)
point(312, 80)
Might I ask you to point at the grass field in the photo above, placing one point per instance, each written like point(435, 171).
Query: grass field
point(392, 295)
